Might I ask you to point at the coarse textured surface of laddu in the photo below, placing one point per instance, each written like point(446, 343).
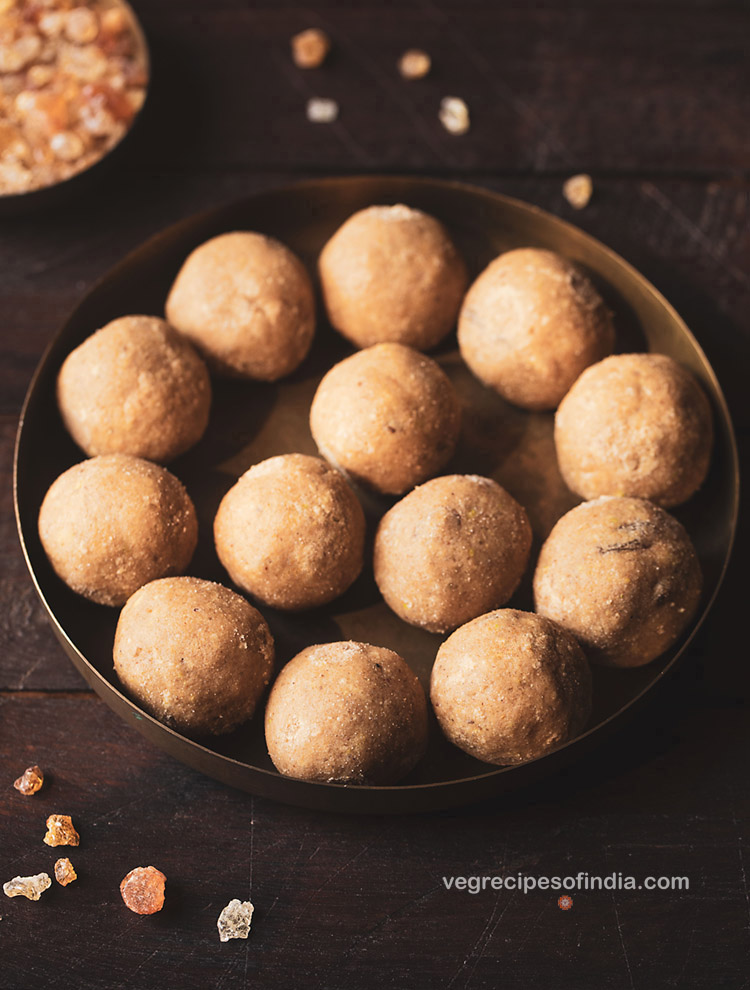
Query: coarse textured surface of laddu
point(452, 549)
point(195, 654)
point(113, 523)
point(392, 273)
point(348, 712)
point(510, 686)
point(388, 417)
point(530, 323)
point(247, 303)
point(291, 532)
point(135, 387)
point(635, 424)
point(622, 575)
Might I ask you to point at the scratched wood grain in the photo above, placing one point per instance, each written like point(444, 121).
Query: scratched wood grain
point(618, 86)
point(653, 100)
point(339, 898)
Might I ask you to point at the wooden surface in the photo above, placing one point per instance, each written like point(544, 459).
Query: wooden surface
point(653, 100)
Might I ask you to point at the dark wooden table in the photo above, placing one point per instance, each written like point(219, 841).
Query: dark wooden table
point(653, 99)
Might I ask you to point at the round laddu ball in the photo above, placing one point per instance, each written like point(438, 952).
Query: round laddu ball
point(194, 654)
point(450, 550)
point(510, 686)
point(635, 424)
point(530, 324)
point(291, 532)
point(135, 387)
point(247, 303)
point(346, 712)
point(387, 416)
point(622, 576)
point(113, 523)
point(392, 274)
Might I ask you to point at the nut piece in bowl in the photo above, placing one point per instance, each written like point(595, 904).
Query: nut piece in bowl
point(247, 303)
point(622, 576)
point(530, 324)
point(113, 523)
point(73, 78)
point(346, 712)
point(194, 654)
point(388, 417)
point(391, 273)
point(450, 550)
point(291, 532)
point(135, 387)
point(635, 424)
point(510, 686)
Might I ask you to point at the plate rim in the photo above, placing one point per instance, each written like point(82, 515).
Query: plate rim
point(313, 793)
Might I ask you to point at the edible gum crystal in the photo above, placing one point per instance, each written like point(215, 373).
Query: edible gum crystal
point(60, 831)
point(30, 781)
point(143, 890)
point(309, 48)
point(234, 921)
point(64, 872)
point(414, 64)
point(578, 190)
point(31, 887)
point(454, 115)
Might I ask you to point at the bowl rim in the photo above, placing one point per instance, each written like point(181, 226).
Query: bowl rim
point(26, 196)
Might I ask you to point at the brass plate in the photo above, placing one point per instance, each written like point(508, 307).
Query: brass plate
point(253, 421)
